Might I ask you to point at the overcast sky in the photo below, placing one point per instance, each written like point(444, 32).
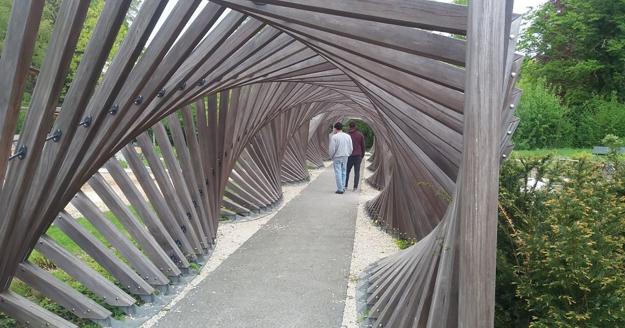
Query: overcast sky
point(520, 6)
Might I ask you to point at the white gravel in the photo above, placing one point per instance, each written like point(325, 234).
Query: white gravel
point(370, 245)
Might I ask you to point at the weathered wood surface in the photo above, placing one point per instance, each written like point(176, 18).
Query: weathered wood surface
point(256, 92)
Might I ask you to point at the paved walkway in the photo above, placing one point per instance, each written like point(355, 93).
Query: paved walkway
point(291, 273)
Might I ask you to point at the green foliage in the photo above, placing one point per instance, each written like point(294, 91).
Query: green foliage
point(554, 152)
point(613, 142)
point(579, 47)
point(404, 243)
point(599, 117)
point(544, 122)
point(46, 27)
point(561, 242)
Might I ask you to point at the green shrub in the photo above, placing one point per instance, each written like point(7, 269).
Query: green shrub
point(544, 122)
point(598, 118)
point(561, 245)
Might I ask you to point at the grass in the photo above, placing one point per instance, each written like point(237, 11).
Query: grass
point(363, 316)
point(404, 243)
point(556, 152)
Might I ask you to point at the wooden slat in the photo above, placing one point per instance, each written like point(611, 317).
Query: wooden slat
point(138, 231)
point(14, 65)
point(56, 290)
point(146, 269)
point(30, 313)
point(99, 285)
point(130, 280)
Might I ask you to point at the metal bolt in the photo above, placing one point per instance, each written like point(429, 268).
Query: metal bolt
point(509, 132)
point(55, 136)
point(182, 85)
point(20, 154)
point(504, 156)
point(85, 122)
point(513, 74)
point(138, 100)
point(114, 109)
point(512, 36)
point(201, 82)
point(512, 106)
point(161, 93)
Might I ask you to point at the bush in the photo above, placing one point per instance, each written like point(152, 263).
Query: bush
point(544, 122)
point(600, 117)
point(561, 247)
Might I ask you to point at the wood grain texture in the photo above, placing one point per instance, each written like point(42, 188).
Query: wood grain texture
point(222, 107)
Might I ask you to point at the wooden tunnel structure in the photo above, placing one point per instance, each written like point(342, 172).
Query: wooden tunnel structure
point(228, 101)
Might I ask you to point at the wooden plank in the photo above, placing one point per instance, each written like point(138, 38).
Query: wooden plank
point(167, 189)
point(139, 232)
point(56, 290)
point(149, 218)
point(479, 187)
point(180, 186)
point(130, 280)
point(425, 14)
point(44, 99)
point(190, 172)
point(158, 202)
point(146, 269)
point(15, 62)
point(109, 292)
point(29, 313)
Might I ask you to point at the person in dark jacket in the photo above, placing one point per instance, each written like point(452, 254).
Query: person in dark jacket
point(355, 159)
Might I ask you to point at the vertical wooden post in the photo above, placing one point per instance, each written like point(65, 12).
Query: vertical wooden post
point(480, 169)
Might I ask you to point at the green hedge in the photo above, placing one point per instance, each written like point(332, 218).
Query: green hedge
point(546, 123)
point(561, 247)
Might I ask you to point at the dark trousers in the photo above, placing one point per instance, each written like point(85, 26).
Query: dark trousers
point(353, 161)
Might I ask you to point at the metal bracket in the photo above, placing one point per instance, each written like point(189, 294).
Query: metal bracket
point(55, 136)
point(86, 122)
point(114, 109)
point(20, 153)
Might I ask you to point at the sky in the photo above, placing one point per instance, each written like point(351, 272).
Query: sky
point(520, 6)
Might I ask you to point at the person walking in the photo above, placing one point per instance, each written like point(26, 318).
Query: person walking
point(340, 149)
point(358, 152)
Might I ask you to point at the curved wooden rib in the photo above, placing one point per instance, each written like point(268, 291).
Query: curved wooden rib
point(214, 114)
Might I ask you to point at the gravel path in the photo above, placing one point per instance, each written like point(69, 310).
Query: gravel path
point(370, 245)
point(292, 273)
point(230, 236)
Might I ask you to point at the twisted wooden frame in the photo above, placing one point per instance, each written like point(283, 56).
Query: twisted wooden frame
point(237, 100)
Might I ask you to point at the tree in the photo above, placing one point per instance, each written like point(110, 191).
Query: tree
point(578, 46)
